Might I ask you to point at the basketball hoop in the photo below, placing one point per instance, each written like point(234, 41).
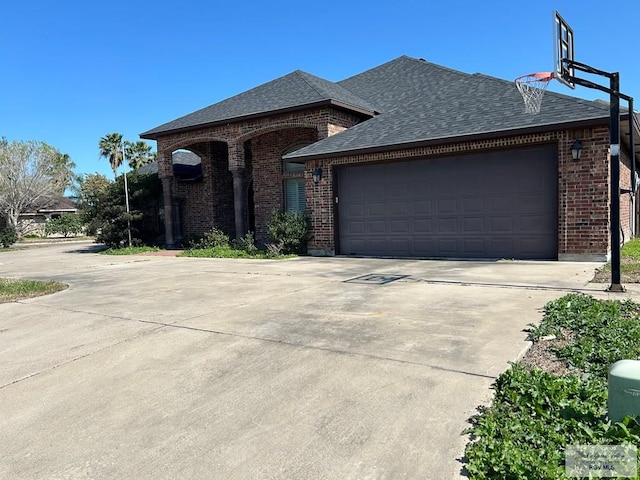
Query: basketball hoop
point(532, 88)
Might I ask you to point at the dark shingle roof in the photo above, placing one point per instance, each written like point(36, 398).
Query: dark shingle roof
point(179, 157)
point(55, 203)
point(417, 102)
point(293, 91)
point(423, 102)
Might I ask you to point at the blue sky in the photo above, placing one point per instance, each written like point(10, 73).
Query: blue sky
point(73, 71)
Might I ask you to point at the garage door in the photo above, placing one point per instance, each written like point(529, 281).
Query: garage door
point(500, 204)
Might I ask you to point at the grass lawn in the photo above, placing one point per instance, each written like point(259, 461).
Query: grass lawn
point(28, 240)
point(12, 290)
point(629, 265)
point(214, 252)
point(129, 250)
point(229, 252)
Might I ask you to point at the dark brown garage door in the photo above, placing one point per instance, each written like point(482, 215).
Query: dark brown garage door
point(501, 204)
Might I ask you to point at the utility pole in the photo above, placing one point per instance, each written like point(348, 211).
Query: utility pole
point(126, 193)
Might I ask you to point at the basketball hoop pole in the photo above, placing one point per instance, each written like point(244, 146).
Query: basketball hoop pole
point(614, 153)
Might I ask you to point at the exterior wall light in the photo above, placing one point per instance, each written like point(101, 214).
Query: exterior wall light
point(316, 174)
point(576, 150)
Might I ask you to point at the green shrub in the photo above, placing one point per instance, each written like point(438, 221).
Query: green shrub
point(247, 244)
point(8, 236)
point(212, 239)
point(66, 224)
point(291, 229)
point(533, 418)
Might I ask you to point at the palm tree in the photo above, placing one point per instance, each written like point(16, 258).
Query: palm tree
point(111, 148)
point(138, 154)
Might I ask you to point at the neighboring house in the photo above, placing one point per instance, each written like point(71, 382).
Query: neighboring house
point(417, 160)
point(187, 166)
point(33, 222)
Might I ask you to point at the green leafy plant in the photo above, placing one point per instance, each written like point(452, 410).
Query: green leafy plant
point(8, 237)
point(607, 331)
point(535, 415)
point(216, 244)
point(212, 239)
point(291, 229)
point(66, 224)
point(247, 244)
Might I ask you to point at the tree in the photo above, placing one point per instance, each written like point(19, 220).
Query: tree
point(32, 174)
point(110, 147)
point(66, 224)
point(138, 154)
point(111, 220)
point(88, 190)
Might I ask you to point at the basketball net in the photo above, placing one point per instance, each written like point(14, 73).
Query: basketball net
point(532, 88)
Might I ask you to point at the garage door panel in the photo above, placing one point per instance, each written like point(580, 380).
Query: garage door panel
point(474, 204)
point(447, 206)
point(356, 210)
point(377, 209)
point(448, 246)
point(494, 204)
point(422, 225)
point(500, 203)
point(474, 246)
point(377, 226)
point(447, 225)
point(398, 208)
point(356, 227)
point(422, 207)
point(473, 225)
point(400, 226)
point(501, 224)
point(532, 223)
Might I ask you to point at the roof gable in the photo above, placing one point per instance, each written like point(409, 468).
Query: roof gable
point(293, 91)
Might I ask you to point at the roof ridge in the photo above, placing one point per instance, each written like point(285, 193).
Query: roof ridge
point(437, 65)
point(304, 79)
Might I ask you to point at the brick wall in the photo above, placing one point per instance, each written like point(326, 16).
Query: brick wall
point(626, 204)
point(207, 203)
point(225, 147)
point(583, 194)
point(268, 174)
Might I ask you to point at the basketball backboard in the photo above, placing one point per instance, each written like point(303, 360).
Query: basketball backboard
point(562, 49)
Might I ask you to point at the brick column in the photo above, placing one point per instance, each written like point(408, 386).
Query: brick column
point(168, 211)
point(237, 168)
point(239, 206)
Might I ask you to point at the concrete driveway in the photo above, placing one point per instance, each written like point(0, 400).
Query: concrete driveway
point(153, 367)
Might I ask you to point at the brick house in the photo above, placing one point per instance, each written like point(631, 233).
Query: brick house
point(416, 160)
point(34, 220)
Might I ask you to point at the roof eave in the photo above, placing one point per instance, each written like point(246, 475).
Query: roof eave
point(151, 135)
point(460, 138)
